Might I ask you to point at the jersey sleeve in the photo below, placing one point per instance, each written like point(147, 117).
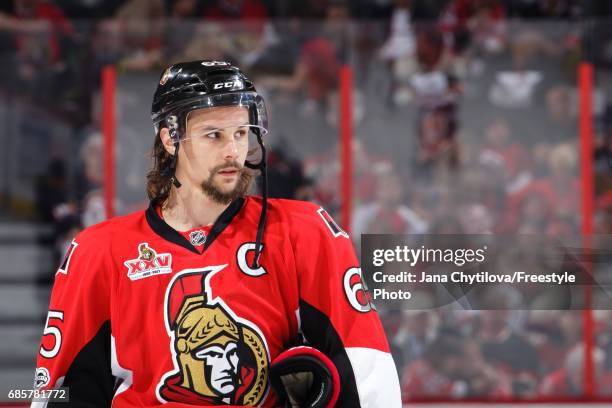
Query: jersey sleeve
point(335, 314)
point(75, 346)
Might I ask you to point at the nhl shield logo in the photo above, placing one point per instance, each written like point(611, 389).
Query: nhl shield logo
point(148, 263)
point(197, 238)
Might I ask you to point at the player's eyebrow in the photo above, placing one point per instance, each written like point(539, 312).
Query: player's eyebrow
point(205, 127)
point(212, 127)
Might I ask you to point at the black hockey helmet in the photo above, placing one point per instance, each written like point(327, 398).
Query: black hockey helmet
point(188, 86)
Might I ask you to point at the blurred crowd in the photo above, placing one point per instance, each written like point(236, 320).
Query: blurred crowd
point(465, 122)
point(497, 354)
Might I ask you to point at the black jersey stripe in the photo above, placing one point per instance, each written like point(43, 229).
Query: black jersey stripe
point(89, 378)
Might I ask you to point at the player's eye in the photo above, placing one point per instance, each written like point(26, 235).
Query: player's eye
point(240, 133)
point(204, 134)
point(212, 135)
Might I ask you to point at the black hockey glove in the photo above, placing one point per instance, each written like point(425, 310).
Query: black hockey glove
point(304, 377)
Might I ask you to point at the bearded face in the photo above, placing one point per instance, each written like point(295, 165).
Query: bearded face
point(216, 187)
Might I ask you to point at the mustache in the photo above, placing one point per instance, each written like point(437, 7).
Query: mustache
point(226, 166)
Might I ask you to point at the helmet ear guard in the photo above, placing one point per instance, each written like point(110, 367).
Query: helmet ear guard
point(172, 124)
point(170, 171)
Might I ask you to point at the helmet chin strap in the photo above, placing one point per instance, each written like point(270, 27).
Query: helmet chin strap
point(264, 207)
point(173, 178)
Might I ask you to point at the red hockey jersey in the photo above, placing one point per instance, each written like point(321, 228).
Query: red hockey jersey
point(142, 315)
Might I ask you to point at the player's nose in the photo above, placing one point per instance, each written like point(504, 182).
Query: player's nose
point(230, 150)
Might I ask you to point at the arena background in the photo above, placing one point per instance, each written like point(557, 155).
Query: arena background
point(398, 116)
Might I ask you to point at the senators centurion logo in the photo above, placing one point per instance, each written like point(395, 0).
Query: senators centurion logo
point(219, 358)
point(148, 263)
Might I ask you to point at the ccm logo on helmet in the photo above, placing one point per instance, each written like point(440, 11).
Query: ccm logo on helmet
point(229, 84)
point(215, 63)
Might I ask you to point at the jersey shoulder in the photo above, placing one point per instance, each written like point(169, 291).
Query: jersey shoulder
point(102, 234)
point(304, 217)
point(283, 210)
point(295, 207)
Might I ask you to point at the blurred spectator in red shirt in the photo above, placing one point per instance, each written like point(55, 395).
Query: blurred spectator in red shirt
point(452, 367)
point(38, 60)
point(318, 65)
point(325, 169)
point(483, 21)
point(435, 94)
point(478, 185)
point(388, 213)
point(533, 215)
point(437, 373)
point(560, 192)
point(39, 25)
point(437, 143)
point(38, 32)
point(569, 380)
point(433, 87)
point(321, 67)
point(503, 153)
point(236, 10)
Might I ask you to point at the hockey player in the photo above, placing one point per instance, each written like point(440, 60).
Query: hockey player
point(199, 299)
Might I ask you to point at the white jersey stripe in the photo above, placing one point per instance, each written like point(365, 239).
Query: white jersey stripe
point(118, 371)
point(376, 378)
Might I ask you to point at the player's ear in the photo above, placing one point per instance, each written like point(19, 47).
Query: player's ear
point(166, 140)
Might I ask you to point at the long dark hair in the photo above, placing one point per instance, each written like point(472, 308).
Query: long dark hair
point(159, 181)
